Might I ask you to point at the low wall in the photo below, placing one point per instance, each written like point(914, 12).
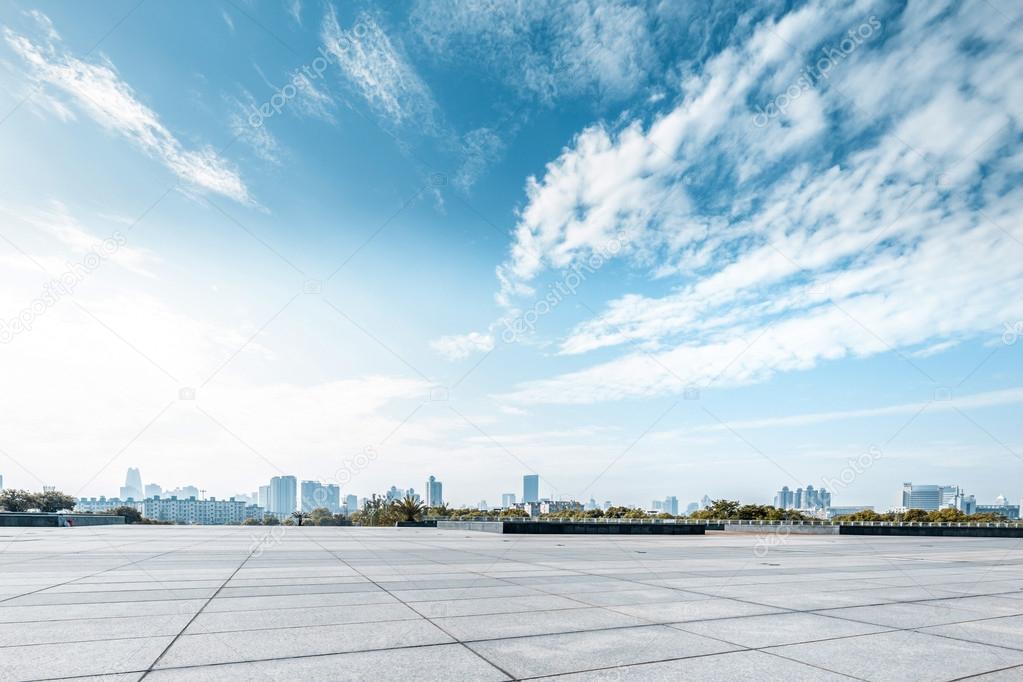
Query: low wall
point(936, 531)
point(573, 528)
point(416, 524)
point(43, 520)
point(778, 528)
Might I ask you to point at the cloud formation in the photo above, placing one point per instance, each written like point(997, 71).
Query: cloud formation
point(97, 90)
point(783, 254)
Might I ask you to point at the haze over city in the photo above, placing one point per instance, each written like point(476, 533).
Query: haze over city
point(640, 250)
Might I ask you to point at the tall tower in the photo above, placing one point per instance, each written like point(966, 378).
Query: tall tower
point(132, 485)
point(434, 493)
point(531, 488)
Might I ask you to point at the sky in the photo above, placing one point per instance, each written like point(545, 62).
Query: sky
point(639, 249)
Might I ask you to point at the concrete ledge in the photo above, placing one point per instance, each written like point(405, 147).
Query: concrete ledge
point(573, 528)
point(416, 524)
point(935, 531)
point(45, 520)
point(777, 528)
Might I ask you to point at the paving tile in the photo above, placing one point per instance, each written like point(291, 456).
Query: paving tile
point(910, 615)
point(466, 628)
point(902, 655)
point(205, 649)
point(700, 609)
point(227, 621)
point(495, 605)
point(740, 665)
point(555, 654)
point(90, 629)
point(441, 663)
point(84, 658)
point(778, 628)
point(1006, 631)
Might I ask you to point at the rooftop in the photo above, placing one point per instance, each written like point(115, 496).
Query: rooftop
point(218, 603)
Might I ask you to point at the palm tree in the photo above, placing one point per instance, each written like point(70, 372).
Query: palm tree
point(299, 516)
point(409, 508)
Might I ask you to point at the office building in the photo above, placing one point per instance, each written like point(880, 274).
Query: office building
point(1002, 507)
point(531, 488)
point(692, 507)
point(152, 490)
point(784, 498)
point(283, 494)
point(210, 512)
point(847, 510)
point(316, 495)
point(810, 499)
point(508, 500)
point(670, 505)
point(132, 488)
point(351, 504)
point(434, 493)
point(929, 497)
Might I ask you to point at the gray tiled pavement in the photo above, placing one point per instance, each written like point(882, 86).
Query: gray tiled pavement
point(241, 603)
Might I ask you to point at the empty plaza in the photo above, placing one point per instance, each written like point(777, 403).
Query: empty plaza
point(327, 603)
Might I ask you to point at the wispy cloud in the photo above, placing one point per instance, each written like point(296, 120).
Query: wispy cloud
point(782, 254)
point(98, 90)
point(376, 67)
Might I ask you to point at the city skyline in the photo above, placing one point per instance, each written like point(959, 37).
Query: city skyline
point(637, 250)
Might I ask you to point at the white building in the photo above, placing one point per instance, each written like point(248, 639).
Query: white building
point(210, 512)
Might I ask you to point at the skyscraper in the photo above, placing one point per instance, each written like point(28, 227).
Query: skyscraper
point(929, 497)
point(153, 490)
point(351, 504)
point(508, 500)
point(316, 495)
point(263, 497)
point(283, 491)
point(670, 505)
point(531, 488)
point(434, 493)
point(132, 485)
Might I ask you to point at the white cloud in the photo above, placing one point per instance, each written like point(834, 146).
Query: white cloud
point(782, 260)
point(295, 11)
point(97, 89)
point(377, 68)
point(464, 345)
point(545, 49)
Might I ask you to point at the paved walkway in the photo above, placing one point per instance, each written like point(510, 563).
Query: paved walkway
point(288, 603)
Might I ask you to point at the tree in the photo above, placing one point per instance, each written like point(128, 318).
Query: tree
point(250, 522)
point(14, 500)
point(408, 508)
point(271, 520)
point(54, 501)
point(130, 514)
point(299, 516)
point(915, 515)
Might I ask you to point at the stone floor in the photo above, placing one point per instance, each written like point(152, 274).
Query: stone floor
point(209, 603)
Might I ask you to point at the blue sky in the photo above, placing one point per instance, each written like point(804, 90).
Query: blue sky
point(639, 249)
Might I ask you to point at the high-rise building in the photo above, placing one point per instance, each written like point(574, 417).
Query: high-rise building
point(692, 507)
point(434, 493)
point(283, 493)
point(508, 500)
point(531, 488)
point(929, 497)
point(263, 496)
point(351, 504)
point(784, 499)
point(132, 488)
point(670, 505)
point(705, 502)
point(153, 490)
point(316, 495)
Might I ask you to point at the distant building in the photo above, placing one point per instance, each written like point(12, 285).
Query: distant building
point(152, 490)
point(482, 506)
point(210, 512)
point(316, 495)
point(656, 505)
point(531, 488)
point(705, 502)
point(1009, 511)
point(351, 504)
point(810, 499)
point(592, 505)
point(283, 494)
point(784, 499)
point(670, 505)
point(554, 506)
point(508, 500)
point(929, 497)
point(133, 485)
point(263, 496)
point(692, 507)
point(434, 493)
point(97, 505)
point(845, 511)
point(393, 495)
